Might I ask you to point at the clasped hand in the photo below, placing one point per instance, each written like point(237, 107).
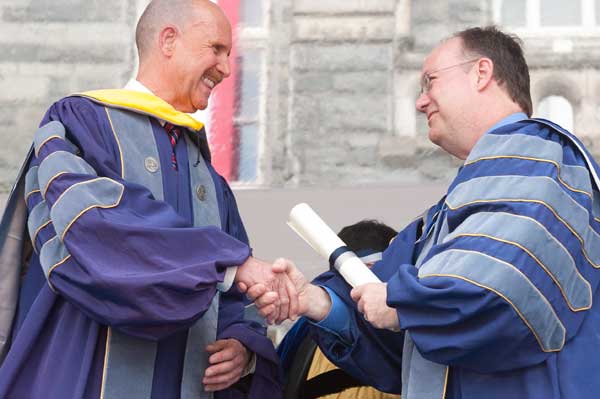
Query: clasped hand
point(282, 292)
point(271, 287)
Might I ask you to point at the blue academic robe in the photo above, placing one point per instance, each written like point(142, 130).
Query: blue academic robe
point(372, 356)
point(502, 298)
point(140, 267)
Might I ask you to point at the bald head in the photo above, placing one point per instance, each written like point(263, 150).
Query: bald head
point(184, 48)
point(178, 13)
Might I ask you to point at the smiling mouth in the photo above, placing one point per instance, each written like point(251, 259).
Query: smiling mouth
point(430, 115)
point(209, 82)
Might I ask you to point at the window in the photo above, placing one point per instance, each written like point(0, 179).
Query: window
point(251, 86)
point(557, 109)
point(237, 107)
point(513, 13)
point(541, 15)
point(247, 116)
point(554, 13)
point(252, 13)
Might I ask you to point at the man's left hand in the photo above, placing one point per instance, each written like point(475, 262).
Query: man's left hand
point(228, 360)
point(371, 300)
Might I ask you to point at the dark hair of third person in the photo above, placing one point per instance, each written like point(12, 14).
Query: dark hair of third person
point(367, 234)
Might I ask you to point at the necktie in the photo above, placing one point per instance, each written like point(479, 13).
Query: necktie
point(174, 133)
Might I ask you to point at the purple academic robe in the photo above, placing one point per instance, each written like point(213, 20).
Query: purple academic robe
point(113, 278)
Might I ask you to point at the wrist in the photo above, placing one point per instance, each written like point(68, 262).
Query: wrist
point(243, 270)
point(315, 302)
point(250, 364)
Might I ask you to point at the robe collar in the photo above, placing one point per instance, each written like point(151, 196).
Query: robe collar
point(143, 103)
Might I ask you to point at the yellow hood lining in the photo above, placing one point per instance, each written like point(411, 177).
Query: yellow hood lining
point(143, 103)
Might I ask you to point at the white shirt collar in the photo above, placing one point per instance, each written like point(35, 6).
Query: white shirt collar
point(136, 85)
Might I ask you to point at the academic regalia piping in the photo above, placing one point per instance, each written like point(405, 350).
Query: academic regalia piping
point(114, 251)
point(500, 302)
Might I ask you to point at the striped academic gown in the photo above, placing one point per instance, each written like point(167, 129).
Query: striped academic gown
point(129, 266)
point(497, 301)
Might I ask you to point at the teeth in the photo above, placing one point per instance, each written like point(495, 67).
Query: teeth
point(209, 83)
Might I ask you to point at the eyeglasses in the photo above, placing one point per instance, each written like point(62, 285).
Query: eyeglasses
point(427, 77)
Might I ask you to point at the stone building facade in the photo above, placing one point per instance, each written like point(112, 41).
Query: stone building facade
point(51, 48)
point(333, 87)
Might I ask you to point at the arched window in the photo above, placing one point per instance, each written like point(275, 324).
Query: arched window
point(557, 109)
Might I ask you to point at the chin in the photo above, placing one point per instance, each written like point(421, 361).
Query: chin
point(200, 105)
point(434, 137)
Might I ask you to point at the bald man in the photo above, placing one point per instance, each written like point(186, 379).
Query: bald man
point(128, 291)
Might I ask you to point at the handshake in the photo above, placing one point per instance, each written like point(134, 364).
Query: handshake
point(280, 292)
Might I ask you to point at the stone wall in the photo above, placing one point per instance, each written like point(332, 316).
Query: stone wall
point(341, 88)
point(342, 80)
point(353, 78)
point(352, 81)
point(49, 49)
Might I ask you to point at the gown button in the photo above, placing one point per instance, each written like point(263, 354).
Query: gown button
point(151, 164)
point(201, 192)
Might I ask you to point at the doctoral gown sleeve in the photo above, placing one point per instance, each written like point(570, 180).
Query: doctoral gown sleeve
point(105, 244)
point(513, 279)
point(372, 356)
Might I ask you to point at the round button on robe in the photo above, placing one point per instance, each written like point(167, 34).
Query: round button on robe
point(201, 192)
point(151, 164)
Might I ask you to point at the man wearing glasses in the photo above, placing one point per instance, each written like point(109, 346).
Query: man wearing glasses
point(494, 286)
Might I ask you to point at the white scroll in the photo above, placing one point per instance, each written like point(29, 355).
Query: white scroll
point(308, 225)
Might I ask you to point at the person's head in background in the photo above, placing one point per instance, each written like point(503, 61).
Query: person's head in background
point(367, 239)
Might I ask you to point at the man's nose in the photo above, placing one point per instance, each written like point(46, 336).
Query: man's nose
point(224, 67)
point(422, 102)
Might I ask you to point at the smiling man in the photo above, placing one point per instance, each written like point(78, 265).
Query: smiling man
point(137, 241)
point(491, 293)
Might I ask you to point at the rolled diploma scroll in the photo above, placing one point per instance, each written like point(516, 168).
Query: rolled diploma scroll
point(308, 225)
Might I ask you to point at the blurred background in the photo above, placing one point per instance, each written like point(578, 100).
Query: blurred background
point(320, 107)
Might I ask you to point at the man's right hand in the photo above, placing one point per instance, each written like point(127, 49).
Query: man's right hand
point(313, 301)
point(279, 296)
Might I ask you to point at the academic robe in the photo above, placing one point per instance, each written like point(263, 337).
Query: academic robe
point(372, 356)
point(497, 301)
point(137, 266)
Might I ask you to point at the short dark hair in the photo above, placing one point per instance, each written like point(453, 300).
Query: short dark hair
point(367, 235)
point(505, 51)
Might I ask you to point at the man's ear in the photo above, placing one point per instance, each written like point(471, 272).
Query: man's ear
point(166, 40)
point(485, 72)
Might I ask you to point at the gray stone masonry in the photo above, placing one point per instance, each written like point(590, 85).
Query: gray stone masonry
point(341, 75)
point(49, 49)
point(342, 78)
